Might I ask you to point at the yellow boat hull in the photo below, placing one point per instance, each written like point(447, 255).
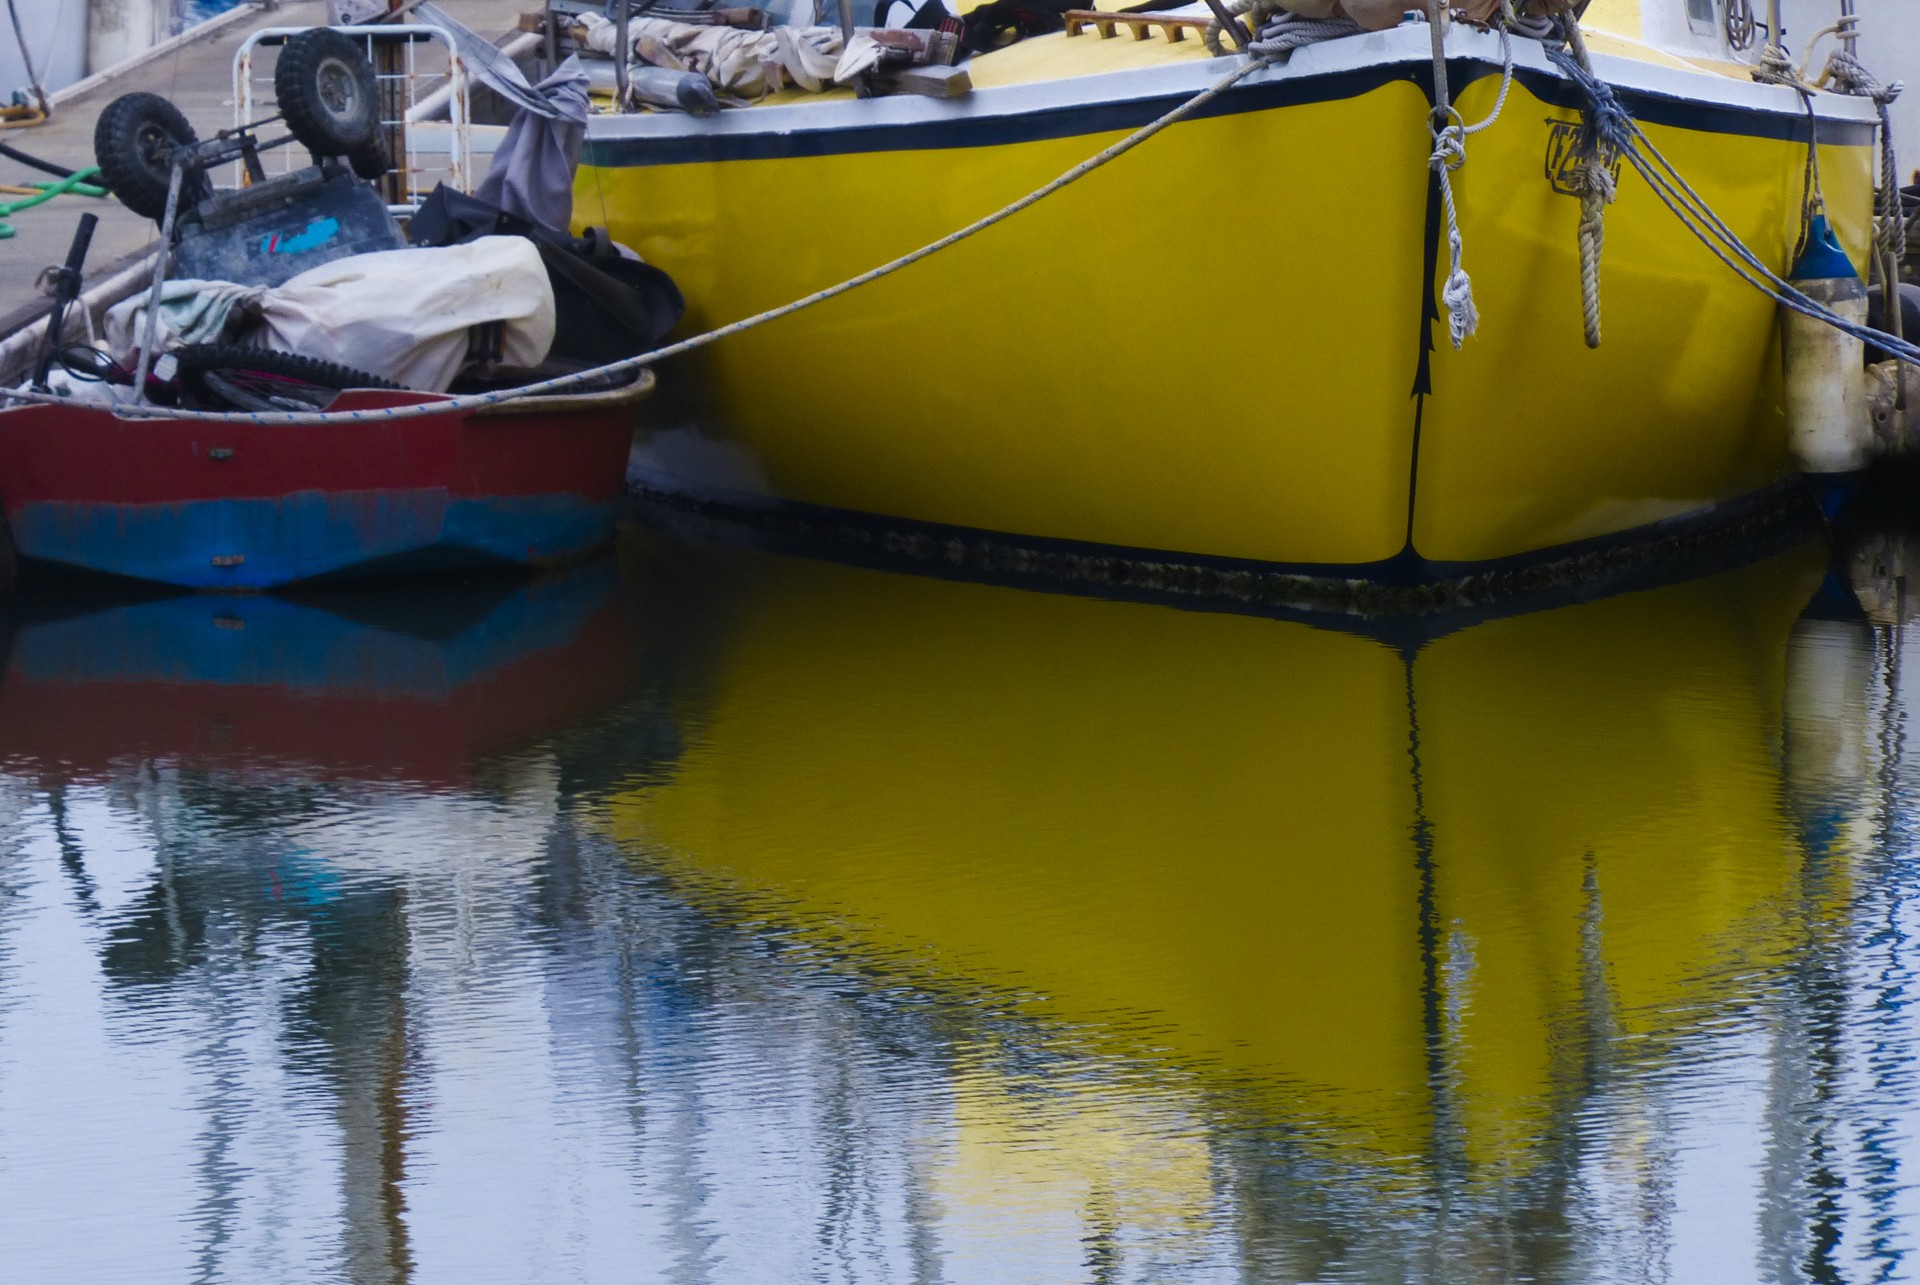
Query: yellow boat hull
point(1297, 872)
point(1225, 347)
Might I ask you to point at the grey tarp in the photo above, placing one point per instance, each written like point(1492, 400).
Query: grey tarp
point(532, 171)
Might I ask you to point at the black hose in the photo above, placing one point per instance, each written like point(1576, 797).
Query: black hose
point(45, 167)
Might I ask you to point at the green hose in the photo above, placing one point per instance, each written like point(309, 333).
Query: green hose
point(75, 184)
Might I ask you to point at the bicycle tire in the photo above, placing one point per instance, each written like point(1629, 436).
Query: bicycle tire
point(208, 371)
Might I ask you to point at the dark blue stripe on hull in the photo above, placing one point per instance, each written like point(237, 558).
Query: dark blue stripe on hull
point(264, 543)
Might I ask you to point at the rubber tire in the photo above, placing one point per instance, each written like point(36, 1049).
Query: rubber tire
point(327, 92)
point(198, 359)
point(1909, 318)
point(370, 162)
point(131, 140)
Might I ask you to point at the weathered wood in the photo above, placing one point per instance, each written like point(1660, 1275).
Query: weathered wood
point(1141, 25)
point(932, 82)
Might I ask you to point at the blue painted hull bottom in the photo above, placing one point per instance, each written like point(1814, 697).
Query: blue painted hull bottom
point(264, 543)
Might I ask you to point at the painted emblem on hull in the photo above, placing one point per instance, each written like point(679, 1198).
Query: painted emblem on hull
point(1563, 156)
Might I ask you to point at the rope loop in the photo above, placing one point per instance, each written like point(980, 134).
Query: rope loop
point(1449, 144)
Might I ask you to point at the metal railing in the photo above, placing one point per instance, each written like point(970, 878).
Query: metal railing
point(416, 67)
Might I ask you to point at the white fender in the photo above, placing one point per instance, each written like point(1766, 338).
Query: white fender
point(1829, 423)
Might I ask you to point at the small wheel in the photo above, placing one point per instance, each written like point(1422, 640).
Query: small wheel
point(327, 92)
point(261, 379)
point(370, 162)
point(133, 144)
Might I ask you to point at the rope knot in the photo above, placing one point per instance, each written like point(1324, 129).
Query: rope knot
point(1849, 75)
point(1463, 316)
point(1776, 68)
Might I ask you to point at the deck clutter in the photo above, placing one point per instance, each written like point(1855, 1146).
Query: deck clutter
point(303, 292)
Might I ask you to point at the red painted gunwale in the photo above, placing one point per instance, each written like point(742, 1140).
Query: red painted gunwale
point(574, 445)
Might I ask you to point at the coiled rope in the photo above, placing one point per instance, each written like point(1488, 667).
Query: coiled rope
point(1288, 31)
point(475, 401)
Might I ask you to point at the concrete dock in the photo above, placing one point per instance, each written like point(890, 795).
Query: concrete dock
point(195, 70)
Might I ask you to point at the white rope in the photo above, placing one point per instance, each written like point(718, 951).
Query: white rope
point(1449, 154)
point(474, 401)
point(1463, 318)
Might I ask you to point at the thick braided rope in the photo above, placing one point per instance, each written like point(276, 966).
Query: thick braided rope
point(1593, 180)
point(562, 383)
point(1596, 193)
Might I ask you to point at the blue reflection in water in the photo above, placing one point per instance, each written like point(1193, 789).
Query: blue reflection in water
point(718, 916)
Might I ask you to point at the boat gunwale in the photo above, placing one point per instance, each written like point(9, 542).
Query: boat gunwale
point(369, 399)
point(1116, 100)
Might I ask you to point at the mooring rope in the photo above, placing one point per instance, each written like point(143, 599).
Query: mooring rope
point(1623, 134)
point(1848, 76)
point(561, 383)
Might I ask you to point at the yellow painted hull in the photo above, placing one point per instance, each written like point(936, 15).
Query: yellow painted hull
point(1216, 346)
point(1296, 872)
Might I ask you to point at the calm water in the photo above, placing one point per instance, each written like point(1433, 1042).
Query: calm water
point(715, 916)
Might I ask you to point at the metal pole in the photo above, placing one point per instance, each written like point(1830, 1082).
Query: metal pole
point(1774, 35)
point(622, 50)
point(1849, 30)
point(162, 260)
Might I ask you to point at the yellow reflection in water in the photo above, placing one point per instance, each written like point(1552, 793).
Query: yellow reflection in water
point(1400, 890)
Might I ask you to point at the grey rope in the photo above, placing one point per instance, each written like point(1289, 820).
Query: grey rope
point(1776, 65)
point(1776, 68)
point(1847, 76)
point(1288, 31)
point(474, 401)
